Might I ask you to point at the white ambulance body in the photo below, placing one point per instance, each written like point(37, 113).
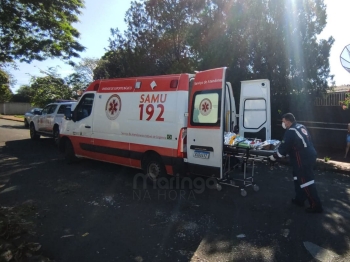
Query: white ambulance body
point(164, 124)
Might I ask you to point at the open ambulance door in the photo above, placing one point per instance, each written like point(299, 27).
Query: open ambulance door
point(255, 109)
point(205, 127)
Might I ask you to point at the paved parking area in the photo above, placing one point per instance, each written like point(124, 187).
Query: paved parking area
point(93, 211)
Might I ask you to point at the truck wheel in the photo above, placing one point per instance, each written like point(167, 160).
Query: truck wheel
point(154, 168)
point(69, 153)
point(33, 133)
point(56, 135)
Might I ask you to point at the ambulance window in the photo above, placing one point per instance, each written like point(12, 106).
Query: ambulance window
point(255, 113)
point(84, 108)
point(206, 108)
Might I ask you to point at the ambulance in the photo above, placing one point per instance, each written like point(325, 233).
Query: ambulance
point(168, 124)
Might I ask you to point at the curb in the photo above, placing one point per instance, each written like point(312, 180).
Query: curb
point(331, 166)
point(12, 118)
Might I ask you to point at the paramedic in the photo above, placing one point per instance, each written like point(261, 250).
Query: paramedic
point(297, 144)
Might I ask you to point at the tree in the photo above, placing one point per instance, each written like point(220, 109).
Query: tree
point(49, 88)
point(154, 43)
point(85, 70)
point(5, 91)
point(273, 39)
point(36, 30)
point(24, 94)
point(77, 83)
point(83, 75)
point(111, 65)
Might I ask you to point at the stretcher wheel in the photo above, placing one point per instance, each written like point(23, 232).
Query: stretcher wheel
point(243, 192)
point(256, 188)
point(218, 187)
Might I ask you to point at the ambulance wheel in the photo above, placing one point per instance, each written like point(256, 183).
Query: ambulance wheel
point(243, 192)
point(256, 188)
point(33, 133)
point(218, 187)
point(69, 153)
point(153, 167)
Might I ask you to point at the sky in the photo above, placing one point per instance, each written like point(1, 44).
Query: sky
point(96, 20)
point(100, 16)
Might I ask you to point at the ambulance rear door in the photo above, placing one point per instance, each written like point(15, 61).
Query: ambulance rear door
point(205, 127)
point(255, 109)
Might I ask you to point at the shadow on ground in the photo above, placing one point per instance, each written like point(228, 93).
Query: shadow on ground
point(94, 211)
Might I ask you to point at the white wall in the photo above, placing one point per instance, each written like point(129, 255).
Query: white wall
point(14, 108)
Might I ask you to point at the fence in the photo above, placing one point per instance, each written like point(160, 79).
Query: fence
point(13, 108)
point(329, 135)
point(331, 99)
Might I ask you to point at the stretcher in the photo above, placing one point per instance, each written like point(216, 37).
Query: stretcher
point(236, 158)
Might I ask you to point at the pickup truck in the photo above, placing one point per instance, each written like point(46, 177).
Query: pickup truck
point(48, 122)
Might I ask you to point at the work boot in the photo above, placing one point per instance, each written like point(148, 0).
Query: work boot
point(297, 202)
point(317, 209)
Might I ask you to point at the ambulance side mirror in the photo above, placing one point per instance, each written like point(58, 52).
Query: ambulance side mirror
point(68, 113)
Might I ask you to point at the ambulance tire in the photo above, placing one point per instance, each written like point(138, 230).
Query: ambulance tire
point(154, 168)
point(69, 153)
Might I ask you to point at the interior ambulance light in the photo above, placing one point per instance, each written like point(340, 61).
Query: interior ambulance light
point(138, 85)
point(173, 83)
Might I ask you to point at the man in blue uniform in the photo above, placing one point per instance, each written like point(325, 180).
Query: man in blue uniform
point(298, 145)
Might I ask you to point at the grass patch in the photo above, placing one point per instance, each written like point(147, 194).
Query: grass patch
point(19, 116)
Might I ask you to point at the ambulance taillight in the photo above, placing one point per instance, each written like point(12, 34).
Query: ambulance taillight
point(182, 143)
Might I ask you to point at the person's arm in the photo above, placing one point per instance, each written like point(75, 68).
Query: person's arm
point(287, 144)
point(285, 147)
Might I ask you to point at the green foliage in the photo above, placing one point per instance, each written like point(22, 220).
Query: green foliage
point(273, 39)
point(85, 69)
point(83, 75)
point(35, 30)
point(155, 42)
point(77, 84)
point(5, 91)
point(24, 94)
point(345, 104)
point(47, 89)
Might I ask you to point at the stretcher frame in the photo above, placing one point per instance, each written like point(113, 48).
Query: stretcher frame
point(246, 155)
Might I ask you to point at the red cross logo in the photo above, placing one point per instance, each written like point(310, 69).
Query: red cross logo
point(113, 107)
point(205, 107)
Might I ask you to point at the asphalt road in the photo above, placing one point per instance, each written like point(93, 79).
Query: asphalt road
point(94, 211)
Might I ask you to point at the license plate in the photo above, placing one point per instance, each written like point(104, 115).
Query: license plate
point(201, 154)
